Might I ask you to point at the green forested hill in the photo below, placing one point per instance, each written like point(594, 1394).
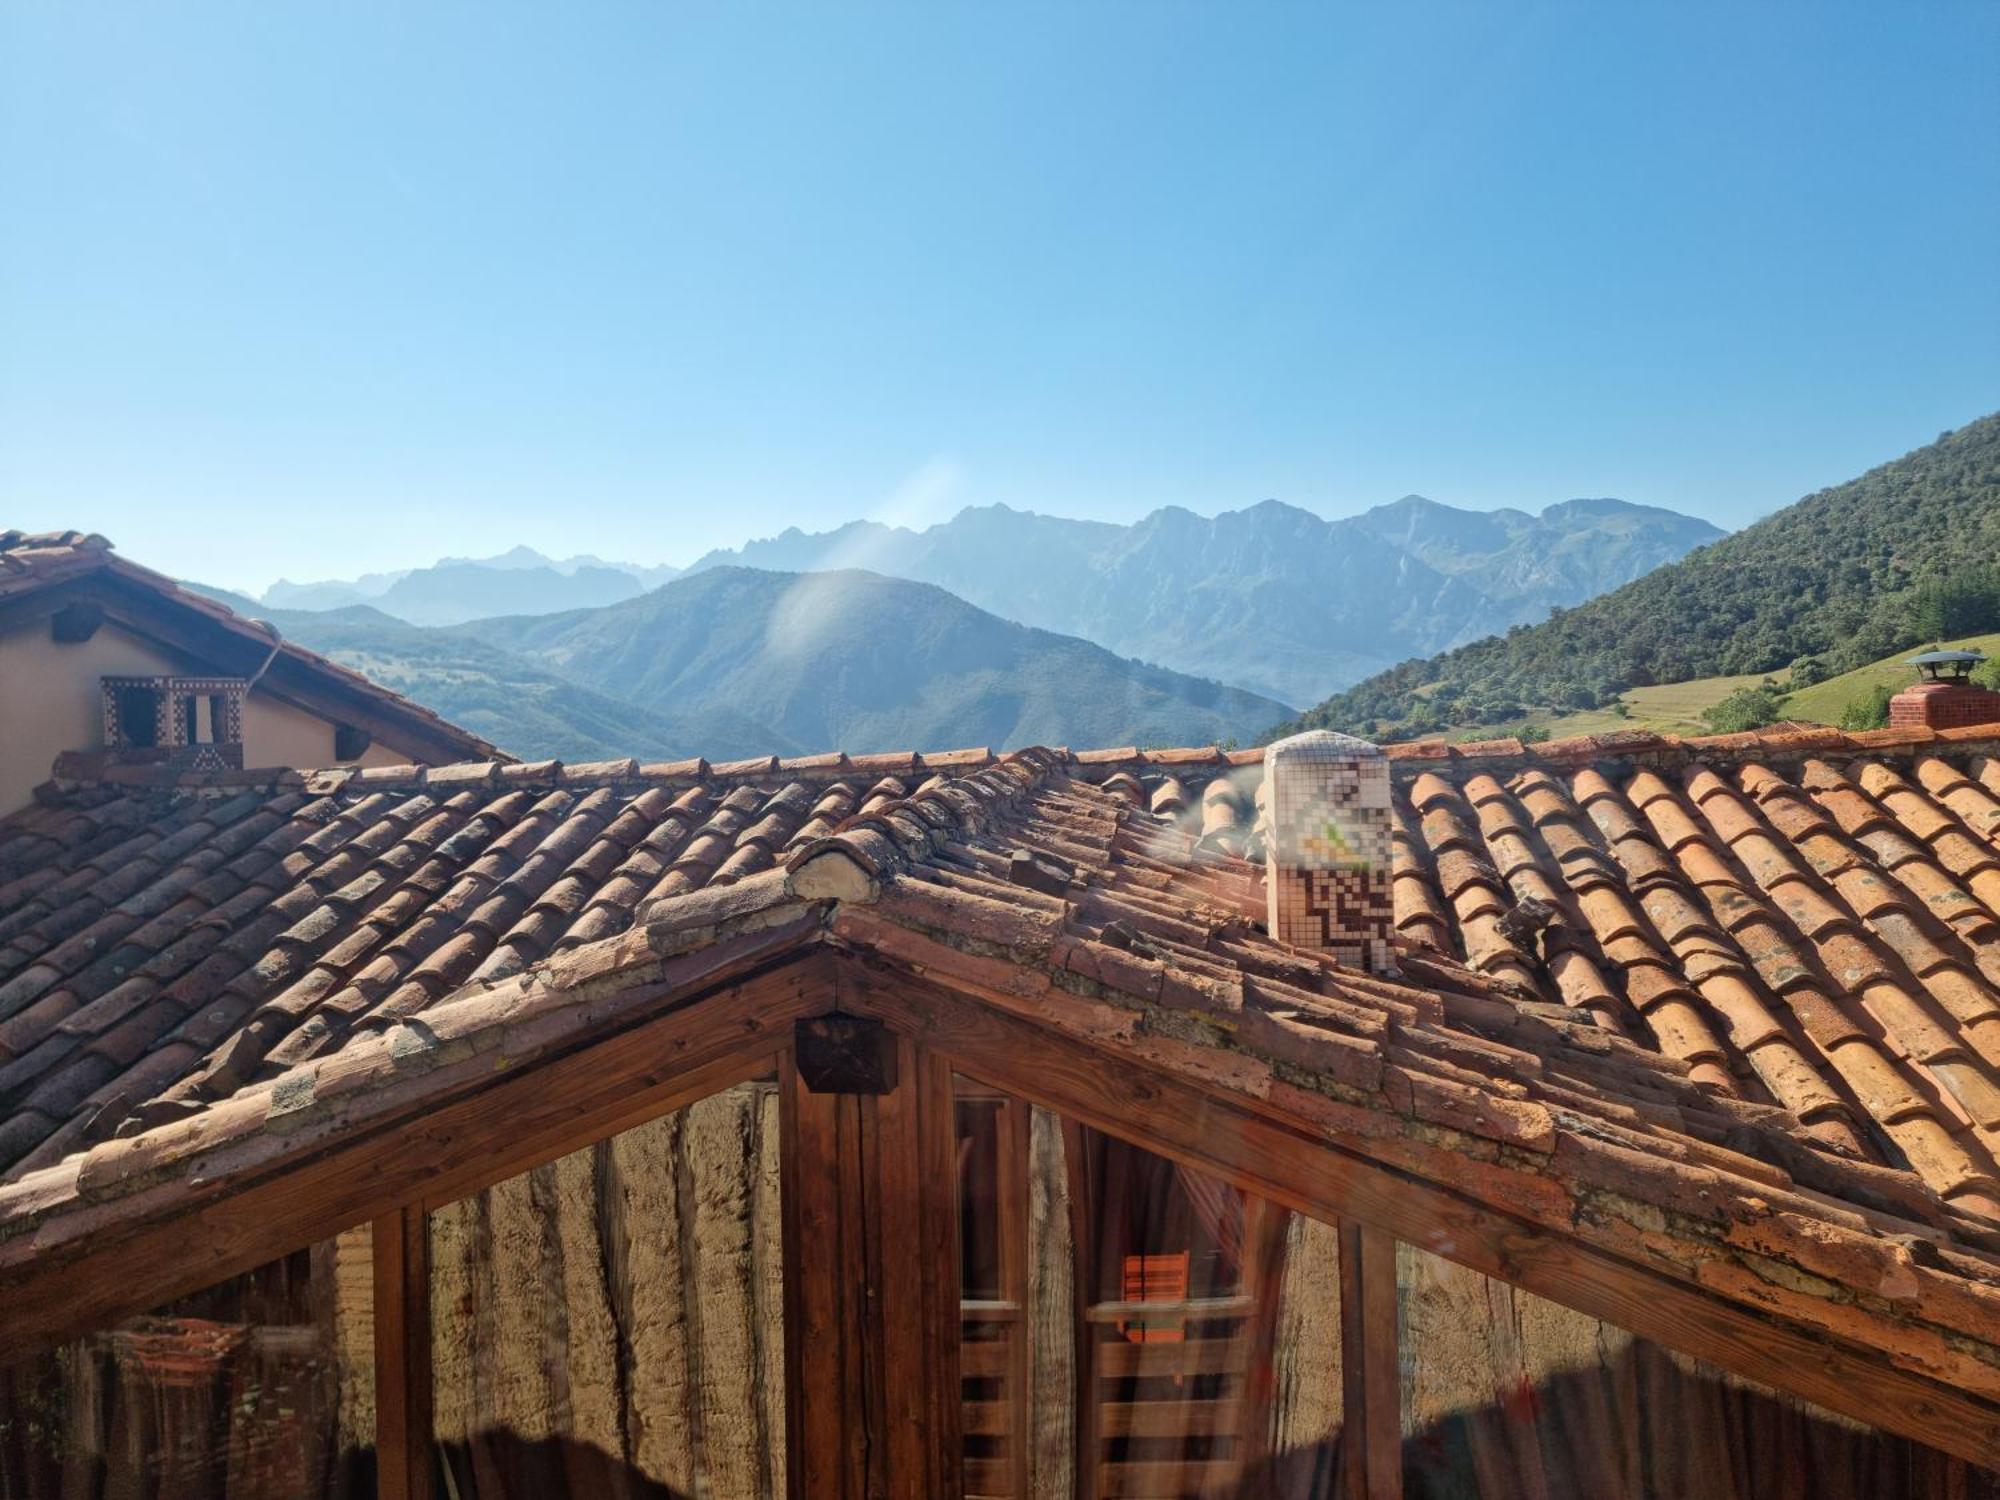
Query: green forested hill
point(1905, 553)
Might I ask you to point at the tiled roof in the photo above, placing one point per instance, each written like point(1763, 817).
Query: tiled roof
point(1746, 1036)
point(31, 562)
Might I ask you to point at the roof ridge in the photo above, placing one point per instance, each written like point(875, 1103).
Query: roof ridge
point(1635, 747)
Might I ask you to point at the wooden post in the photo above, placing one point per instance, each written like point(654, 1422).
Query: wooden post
point(1369, 1363)
point(1083, 1210)
point(403, 1458)
point(871, 1286)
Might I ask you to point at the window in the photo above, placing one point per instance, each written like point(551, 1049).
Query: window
point(1133, 1327)
point(261, 1387)
point(135, 721)
point(1507, 1394)
point(192, 721)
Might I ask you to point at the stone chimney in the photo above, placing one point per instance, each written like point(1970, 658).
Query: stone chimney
point(1326, 847)
point(1944, 697)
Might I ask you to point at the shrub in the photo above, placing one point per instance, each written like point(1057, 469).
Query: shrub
point(1746, 708)
point(1870, 710)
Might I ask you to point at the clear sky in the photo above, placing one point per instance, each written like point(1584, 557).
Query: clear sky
point(312, 289)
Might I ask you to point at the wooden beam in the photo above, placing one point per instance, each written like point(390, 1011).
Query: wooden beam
point(915, 1188)
point(1263, 1272)
point(1371, 1376)
point(76, 623)
point(442, 1149)
point(350, 742)
point(403, 1437)
point(1083, 1231)
point(1228, 1135)
point(822, 1421)
point(845, 1055)
point(937, 1167)
point(870, 1288)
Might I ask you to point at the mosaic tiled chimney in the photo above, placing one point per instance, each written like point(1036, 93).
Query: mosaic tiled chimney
point(1326, 810)
point(1944, 697)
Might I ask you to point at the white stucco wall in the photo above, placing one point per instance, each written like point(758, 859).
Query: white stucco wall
point(49, 703)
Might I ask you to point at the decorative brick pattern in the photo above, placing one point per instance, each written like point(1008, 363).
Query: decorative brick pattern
point(173, 701)
point(1327, 849)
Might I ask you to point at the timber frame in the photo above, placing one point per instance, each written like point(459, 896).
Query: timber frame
point(872, 1175)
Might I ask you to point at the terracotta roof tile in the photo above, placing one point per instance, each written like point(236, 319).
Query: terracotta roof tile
point(1769, 973)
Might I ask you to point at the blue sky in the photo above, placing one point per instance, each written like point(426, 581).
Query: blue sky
point(305, 290)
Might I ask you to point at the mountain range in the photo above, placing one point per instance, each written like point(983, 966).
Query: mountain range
point(1273, 599)
point(738, 661)
point(456, 589)
point(1903, 554)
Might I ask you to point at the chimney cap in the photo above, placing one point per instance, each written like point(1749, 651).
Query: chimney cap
point(1323, 743)
point(1934, 664)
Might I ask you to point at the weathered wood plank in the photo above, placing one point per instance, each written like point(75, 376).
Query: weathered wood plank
point(402, 1356)
point(1369, 1362)
point(818, 1397)
point(1169, 1419)
point(1150, 1479)
point(936, 1147)
point(902, 1281)
point(644, 1205)
point(1228, 1356)
point(1052, 1315)
point(1308, 1415)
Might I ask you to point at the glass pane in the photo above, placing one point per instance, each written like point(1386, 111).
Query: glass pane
point(1507, 1394)
point(1205, 1341)
point(261, 1387)
point(612, 1323)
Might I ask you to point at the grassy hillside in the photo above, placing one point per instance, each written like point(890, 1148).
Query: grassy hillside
point(1824, 702)
point(1678, 707)
point(1903, 554)
point(1668, 708)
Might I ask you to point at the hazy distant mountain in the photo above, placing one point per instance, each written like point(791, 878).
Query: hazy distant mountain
point(1272, 598)
point(518, 704)
point(1570, 552)
point(455, 589)
point(527, 557)
point(451, 593)
point(329, 593)
point(855, 661)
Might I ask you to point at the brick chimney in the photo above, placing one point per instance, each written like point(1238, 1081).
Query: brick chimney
point(1326, 847)
point(1944, 697)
